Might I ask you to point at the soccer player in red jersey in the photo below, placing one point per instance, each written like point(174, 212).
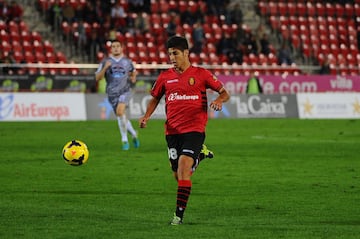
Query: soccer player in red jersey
point(184, 87)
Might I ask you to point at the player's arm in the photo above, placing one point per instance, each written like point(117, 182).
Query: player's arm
point(101, 73)
point(222, 98)
point(132, 76)
point(153, 103)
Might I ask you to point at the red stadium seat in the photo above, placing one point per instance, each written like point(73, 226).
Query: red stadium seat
point(50, 57)
point(38, 46)
point(16, 45)
point(306, 50)
point(314, 40)
point(13, 27)
point(155, 7)
point(283, 21)
point(164, 6)
point(274, 22)
point(358, 59)
point(18, 56)
point(335, 49)
point(294, 29)
point(195, 58)
point(143, 57)
point(153, 57)
point(303, 20)
point(301, 9)
point(349, 10)
point(61, 58)
point(263, 8)
point(272, 59)
point(342, 30)
point(331, 21)
point(194, 6)
point(291, 8)
point(132, 55)
point(27, 46)
point(141, 47)
point(333, 39)
point(303, 29)
point(5, 47)
point(320, 9)
point(293, 20)
point(151, 47)
point(339, 10)
point(130, 47)
point(323, 30)
point(36, 36)
point(26, 36)
point(304, 39)
point(48, 47)
point(283, 10)
point(311, 11)
point(311, 20)
point(352, 31)
point(15, 36)
point(211, 48)
point(163, 57)
point(214, 59)
point(40, 57)
point(3, 25)
point(295, 41)
point(66, 28)
point(330, 9)
point(272, 8)
point(262, 60)
point(29, 57)
point(4, 36)
point(173, 5)
point(324, 39)
point(285, 33)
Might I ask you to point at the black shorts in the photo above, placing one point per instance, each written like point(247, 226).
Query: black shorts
point(189, 144)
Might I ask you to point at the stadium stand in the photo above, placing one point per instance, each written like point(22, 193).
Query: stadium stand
point(314, 31)
point(318, 30)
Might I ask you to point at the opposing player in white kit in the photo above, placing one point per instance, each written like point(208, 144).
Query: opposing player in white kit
point(120, 74)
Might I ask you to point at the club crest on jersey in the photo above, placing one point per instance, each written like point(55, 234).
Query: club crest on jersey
point(191, 81)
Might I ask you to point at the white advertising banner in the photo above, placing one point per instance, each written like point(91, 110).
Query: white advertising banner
point(42, 106)
point(329, 105)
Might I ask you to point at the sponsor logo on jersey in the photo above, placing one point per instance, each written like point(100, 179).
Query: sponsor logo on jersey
point(176, 96)
point(191, 81)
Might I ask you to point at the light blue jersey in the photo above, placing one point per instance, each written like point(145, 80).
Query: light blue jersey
point(117, 76)
point(118, 85)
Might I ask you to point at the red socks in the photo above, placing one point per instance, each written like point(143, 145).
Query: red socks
point(183, 193)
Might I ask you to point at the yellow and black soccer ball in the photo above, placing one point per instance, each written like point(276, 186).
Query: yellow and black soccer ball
point(75, 153)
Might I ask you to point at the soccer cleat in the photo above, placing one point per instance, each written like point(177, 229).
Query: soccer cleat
point(136, 143)
point(125, 146)
point(176, 220)
point(206, 153)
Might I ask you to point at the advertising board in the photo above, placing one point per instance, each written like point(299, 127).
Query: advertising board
point(42, 106)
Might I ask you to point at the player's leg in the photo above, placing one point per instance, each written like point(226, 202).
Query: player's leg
point(184, 187)
point(122, 123)
point(133, 133)
point(188, 147)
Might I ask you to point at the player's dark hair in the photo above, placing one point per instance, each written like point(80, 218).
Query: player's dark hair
point(177, 42)
point(116, 40)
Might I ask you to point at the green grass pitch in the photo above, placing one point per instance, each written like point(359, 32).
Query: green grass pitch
point(270, 178)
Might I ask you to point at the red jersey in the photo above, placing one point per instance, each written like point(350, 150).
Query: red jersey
point(185, 98)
